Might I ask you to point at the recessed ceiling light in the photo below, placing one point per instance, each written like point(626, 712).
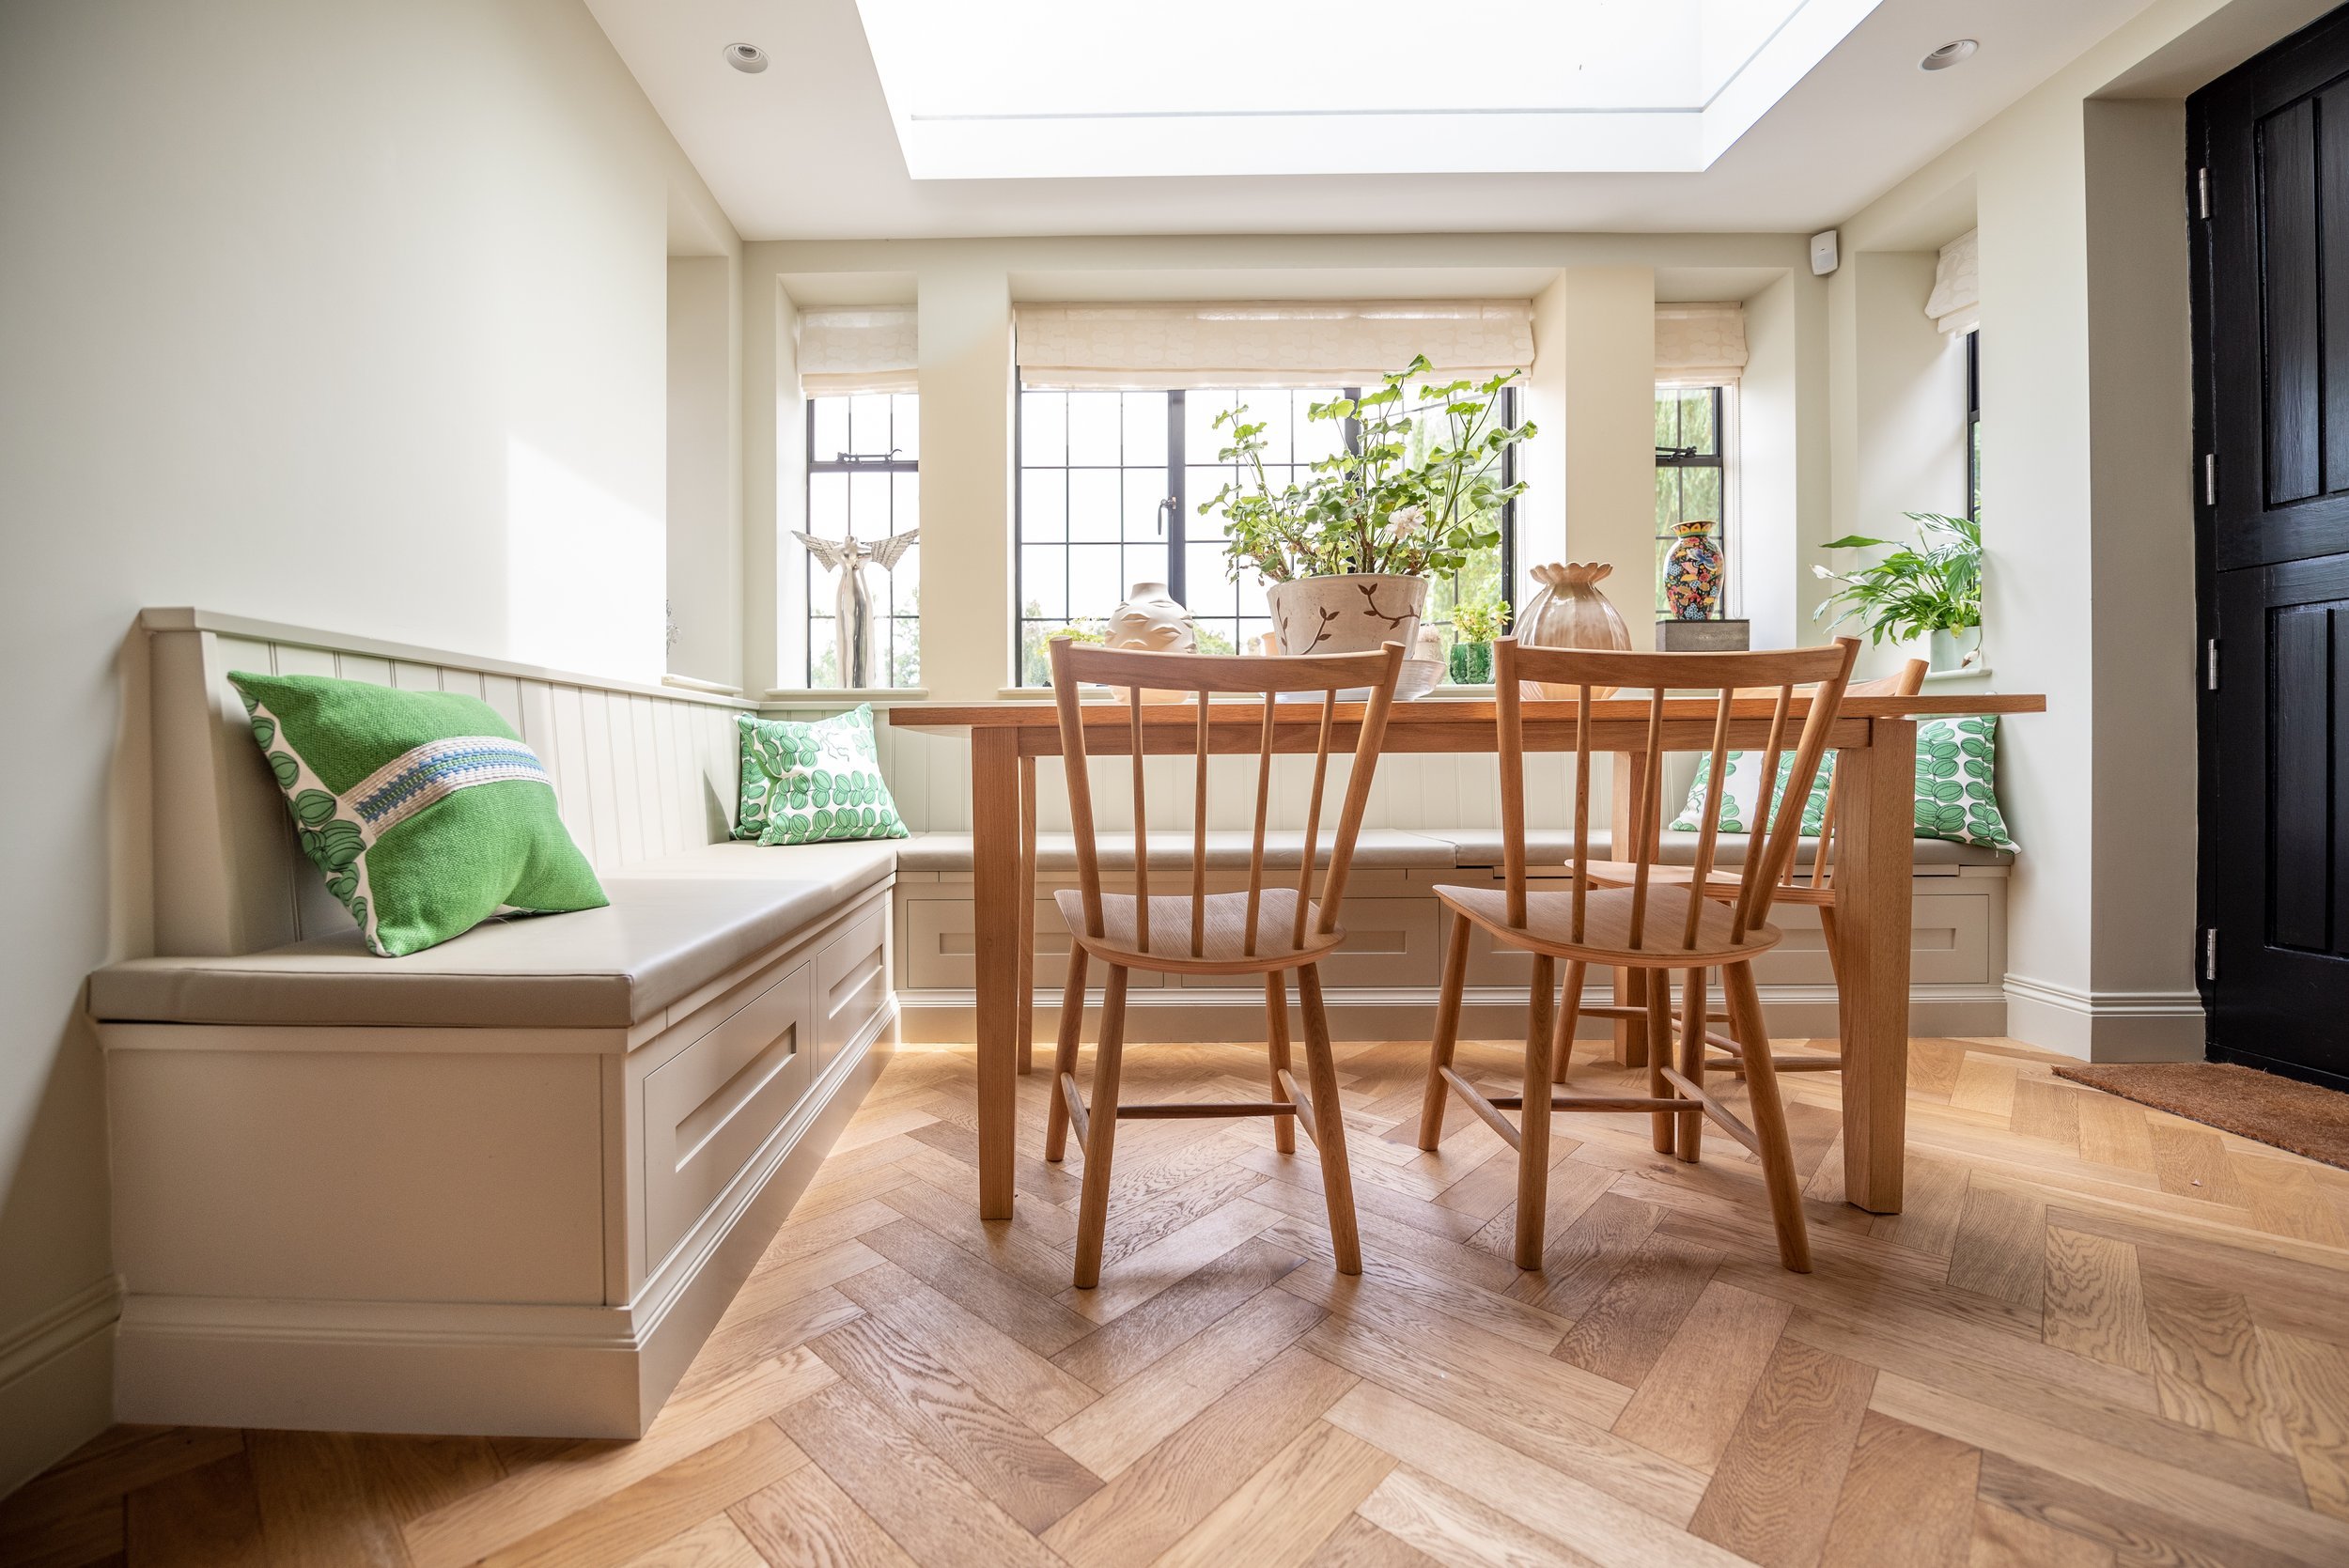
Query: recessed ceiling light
point(1940, 59)
point(750, 58)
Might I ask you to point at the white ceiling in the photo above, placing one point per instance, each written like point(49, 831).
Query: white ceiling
point(808, 149)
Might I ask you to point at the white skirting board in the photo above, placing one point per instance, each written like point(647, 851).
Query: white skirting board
point(56, 1381)
point(492, 1370)
point(1406, 1013)
point(2106, 1026)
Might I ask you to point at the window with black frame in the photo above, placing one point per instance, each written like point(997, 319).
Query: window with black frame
point(1973, 425)
point(864, 481)
point(1109, 489)
point(1691, 471)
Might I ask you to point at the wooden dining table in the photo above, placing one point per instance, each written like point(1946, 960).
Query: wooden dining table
point(1874, 740)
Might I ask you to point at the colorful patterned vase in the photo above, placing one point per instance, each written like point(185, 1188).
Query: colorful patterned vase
point(1692, 573)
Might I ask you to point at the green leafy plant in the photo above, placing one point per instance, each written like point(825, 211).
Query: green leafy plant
point(1480, 622)
point(1372, 507)
point(1933, 584)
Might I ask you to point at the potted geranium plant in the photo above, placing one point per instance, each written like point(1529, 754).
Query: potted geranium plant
point(1346, 555)
point(1473, 627)
point(1928, 592)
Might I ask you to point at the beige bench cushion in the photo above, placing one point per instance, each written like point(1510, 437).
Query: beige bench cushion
point(1386, 848)
point(674, 925)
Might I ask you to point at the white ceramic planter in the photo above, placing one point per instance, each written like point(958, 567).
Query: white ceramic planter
point(1355, 613)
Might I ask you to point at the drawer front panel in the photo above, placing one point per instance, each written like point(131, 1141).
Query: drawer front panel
point(852, 984)
point(940, 941)
point(1388, 941)
point(709, 1109)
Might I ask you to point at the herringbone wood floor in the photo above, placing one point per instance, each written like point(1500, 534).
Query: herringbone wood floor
point(2098, 1335)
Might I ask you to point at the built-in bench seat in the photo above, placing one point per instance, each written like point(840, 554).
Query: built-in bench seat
point(674, 925)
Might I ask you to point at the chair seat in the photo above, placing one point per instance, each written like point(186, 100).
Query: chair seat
point(1607, 926)
point(1721, 884)
point(1222, 938)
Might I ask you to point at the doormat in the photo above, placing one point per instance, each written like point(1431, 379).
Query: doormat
point(2244, 1101)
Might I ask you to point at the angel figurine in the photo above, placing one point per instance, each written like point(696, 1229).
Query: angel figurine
point(859, 626)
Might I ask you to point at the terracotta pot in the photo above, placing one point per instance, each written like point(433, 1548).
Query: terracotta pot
point(1355, 613)
point(1569, 612)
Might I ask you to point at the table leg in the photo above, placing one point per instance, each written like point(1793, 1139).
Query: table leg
point(1874, 843)
point(1027, 916)
point(1623, 816)
point(995, 872)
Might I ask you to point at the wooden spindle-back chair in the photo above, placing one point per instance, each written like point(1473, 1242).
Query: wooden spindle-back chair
point(1809, 881)
point(1265, 930)
point(1653, 923)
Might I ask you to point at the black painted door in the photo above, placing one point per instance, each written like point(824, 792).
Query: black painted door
point(2270, 194)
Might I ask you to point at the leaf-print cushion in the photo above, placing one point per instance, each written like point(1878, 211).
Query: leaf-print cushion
point(808, 782)
point(1956, 787)
point(424, 813)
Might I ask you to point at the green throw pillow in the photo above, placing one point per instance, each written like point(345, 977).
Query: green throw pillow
point(807, 783)
point(426, 814)
point(1956, 791)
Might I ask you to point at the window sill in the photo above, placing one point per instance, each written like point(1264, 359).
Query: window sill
point(1940, 678)
point(817, 696)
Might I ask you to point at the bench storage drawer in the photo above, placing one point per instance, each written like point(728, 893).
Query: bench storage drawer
point(852, 984)
point(709, 1109)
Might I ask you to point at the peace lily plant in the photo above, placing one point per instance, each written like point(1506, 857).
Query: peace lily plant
point(1929, 591)
point(1347, 554)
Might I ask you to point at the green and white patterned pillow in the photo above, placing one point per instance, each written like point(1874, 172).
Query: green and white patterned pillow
point(1956, 787)
point(804, 783)
point(1740, 790)
point(424, 811)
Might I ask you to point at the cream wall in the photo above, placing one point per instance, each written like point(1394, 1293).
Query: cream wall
point(2088, 481)
point(705, 469)
point(349, 317)
point(1589, 390)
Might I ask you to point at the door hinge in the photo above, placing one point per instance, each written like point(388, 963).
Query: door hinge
point(2210, 665)
point(2210, 478)
point(2210, 952)
point(2201, 186)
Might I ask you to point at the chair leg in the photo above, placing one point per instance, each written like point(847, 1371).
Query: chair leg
point(1093, 1209)
point(1835, 970)
point(1276, 1010)
point(1693, 1000)
point(1569, 1015)
point(1770, 1116)
point(1072, 1018)
point(1321, 1069)
point(1447, 1031)
point(1659, 1052)
point(1533, 1120)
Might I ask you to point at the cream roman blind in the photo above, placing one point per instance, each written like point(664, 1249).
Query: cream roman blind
point(1700, 345)
point(1304, 343)
point(1956, 304)
point(860, 350)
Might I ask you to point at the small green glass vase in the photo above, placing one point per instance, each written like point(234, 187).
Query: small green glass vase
point(1471, 663)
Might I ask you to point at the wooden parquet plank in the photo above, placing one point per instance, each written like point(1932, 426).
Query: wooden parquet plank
point(712, 1543)
point(577, 1475)
point(1578, 1261)
point(2095, 1303)
point(2001, 1242)
point(992, 1446)
point(2307, 1383)
point(1125, 1423)
point(1037, 1321)
point(2206, 1363)
point(737, 1343)
point(1624, 1330)
point(992, 1361)
point(348, 1495)
point(806, 1519)
point(640, 1518)
point(1503, 1316)
point(1604, 1528)
point(1772, 1497)
point(1359, 1543)
point(939, 1519)
point(1440, 1525)
point(1908, 1498)
point(1281, 1514)
point(2003, 1539)
point(101, 1474)
point(206, 1517)
point(1687, 1405)
point(1155, 1500)
point(1166, 1261)
point(2139, 1534)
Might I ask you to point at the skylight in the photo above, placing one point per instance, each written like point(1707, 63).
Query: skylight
point(1066, 88)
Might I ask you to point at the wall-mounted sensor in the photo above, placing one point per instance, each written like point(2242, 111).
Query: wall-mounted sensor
point(747, 57)
point(1948, 55)
point(1823, 258)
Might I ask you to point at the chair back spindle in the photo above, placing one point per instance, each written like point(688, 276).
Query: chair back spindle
point(1267, 681)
